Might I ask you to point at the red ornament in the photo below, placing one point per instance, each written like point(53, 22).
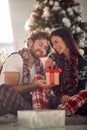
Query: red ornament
point(38, 14)
point(69, 1)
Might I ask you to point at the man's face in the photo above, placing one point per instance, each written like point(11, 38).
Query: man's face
point(38, 48)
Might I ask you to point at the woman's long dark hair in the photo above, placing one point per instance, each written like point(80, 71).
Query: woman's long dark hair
point(67, 37)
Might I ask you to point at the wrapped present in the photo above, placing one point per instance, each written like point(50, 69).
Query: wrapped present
point(52, 76)
point(43, 119)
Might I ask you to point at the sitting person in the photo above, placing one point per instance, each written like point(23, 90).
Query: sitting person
point(70, 95)
point(18, 73)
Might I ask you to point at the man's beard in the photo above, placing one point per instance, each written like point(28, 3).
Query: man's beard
point(34, 54)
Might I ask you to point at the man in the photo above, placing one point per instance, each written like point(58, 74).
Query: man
point(18, 74)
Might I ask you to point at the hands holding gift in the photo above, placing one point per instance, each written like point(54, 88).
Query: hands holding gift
point(52, 75)
point(42, 83)
point(49, 63)
point(39, 81)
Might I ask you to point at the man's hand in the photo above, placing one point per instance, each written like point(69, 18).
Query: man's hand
point(42, 84)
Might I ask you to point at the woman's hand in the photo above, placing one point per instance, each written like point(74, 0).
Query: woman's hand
point(64, 99)
point(49, 63)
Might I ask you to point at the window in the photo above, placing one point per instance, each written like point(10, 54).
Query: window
point(6, 34)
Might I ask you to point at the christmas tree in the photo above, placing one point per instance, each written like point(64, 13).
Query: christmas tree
point(51, 14)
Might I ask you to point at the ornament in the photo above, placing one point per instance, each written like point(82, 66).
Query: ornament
point(81, 51)
point(81, 44)
point(38, 14)
point(78, 29)
point(51, 2)
point(78, 18)
point(56, 3)
point(69, 9)
point(46, 13)
point(69, 1)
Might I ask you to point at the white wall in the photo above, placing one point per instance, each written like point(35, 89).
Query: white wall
point(21, 10)
point(83, 4)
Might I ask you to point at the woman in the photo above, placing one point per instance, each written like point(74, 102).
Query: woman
point(70, 95)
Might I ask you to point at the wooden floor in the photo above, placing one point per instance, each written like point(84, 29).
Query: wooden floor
point(14, 127)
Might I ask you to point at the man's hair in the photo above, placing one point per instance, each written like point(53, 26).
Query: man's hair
point(38, 34)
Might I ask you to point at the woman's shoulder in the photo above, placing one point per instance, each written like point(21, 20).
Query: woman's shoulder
point(82, 61)
point(82, 68)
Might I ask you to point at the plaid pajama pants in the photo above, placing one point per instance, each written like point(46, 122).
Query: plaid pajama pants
point(40, 101)
point(11, 101)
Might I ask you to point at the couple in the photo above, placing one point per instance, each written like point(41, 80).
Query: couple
point(19, 89)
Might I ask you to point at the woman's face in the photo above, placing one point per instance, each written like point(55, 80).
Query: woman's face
point(59, 45)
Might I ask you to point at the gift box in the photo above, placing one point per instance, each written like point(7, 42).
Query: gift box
point(42, 119)
point(52, 76)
